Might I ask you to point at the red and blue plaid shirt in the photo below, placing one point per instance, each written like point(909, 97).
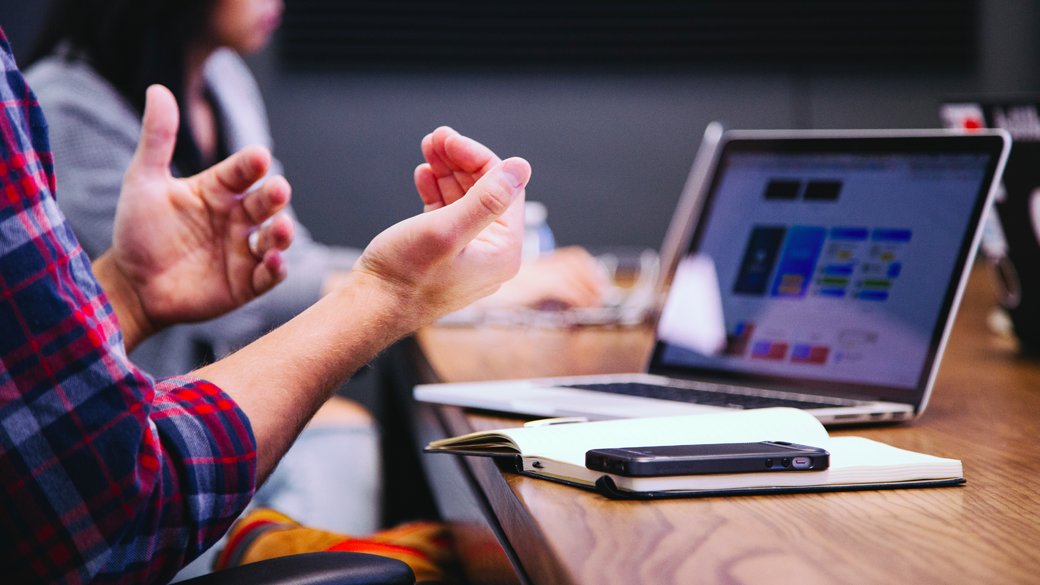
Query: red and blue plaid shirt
point(108, 476)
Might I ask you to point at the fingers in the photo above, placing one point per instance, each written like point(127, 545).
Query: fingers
point(568, 276)
point(426, 185)
point(574, 291)
point(448, 187)
point(586, 272)
point(271, 239)
point(489, 199)
point(469, 160)
point(455, 163)
point(586, 292)
point(263, 203)
point(432, 152)
point(269, 271)
point(235, 174)
point(469, 155)
point(158, 131)
point(448, 152)
point(277, 235)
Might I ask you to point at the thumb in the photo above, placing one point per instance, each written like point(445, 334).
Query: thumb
point(486, 201)
point(158, 131)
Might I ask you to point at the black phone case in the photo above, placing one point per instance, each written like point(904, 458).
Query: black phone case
point(687, 460)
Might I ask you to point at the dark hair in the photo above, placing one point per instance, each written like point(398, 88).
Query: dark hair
point(133, 44)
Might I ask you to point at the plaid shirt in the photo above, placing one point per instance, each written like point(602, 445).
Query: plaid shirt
point(107, 475)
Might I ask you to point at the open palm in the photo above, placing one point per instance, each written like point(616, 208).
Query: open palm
point(183, 244)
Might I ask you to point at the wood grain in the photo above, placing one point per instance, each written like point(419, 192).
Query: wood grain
point(985, 411)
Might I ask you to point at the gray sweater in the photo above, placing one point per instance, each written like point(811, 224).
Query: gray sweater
point(93, 134)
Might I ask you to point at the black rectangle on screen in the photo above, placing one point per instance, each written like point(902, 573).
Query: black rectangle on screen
point(822, 190)
point(783, 189)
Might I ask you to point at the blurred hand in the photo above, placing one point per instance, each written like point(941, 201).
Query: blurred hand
point(468, 240)
point(568, 278)
point(181, 246)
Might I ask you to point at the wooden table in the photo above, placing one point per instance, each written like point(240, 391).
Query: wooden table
point(985, 411)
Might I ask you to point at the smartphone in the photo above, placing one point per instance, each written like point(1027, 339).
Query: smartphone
point(766, 456)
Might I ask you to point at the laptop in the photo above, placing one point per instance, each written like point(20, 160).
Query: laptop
point(835, 260)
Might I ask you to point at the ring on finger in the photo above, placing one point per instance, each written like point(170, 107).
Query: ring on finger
point(254, 243)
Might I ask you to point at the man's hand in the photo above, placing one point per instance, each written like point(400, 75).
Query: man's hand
point(180, 248)
point(454, 163)
point(466, 244)
point(570, 277)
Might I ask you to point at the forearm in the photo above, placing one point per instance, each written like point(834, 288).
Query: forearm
point(283, 378)
point(411, 273)
point(124, 300)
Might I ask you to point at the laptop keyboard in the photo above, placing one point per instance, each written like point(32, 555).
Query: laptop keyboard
point(708, 397)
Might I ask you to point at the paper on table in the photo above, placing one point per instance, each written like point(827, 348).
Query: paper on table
point(558, 452)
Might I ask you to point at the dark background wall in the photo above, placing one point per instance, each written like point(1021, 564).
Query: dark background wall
point(610, 149)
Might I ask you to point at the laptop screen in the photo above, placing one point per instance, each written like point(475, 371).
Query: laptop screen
point(837, 261)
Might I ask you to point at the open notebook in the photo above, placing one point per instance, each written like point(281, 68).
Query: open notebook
point(557, 453)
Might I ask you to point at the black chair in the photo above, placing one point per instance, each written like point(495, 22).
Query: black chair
point(321, 568)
